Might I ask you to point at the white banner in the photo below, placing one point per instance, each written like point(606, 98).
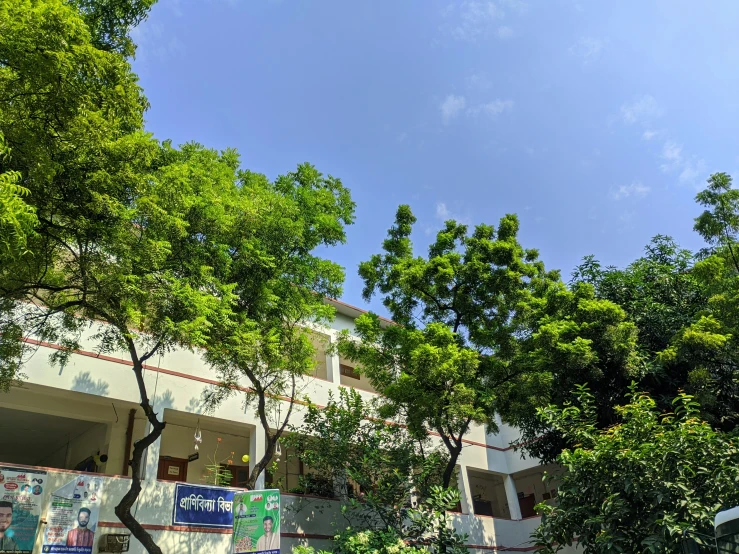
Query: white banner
point(73, 516)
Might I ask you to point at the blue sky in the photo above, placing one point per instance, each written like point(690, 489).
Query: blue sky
point(595, 122)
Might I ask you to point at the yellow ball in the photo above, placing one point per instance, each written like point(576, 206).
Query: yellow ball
point(245, 458)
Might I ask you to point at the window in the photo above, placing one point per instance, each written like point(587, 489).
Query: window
point(348, 371)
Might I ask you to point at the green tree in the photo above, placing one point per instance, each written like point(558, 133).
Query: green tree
point(264, 346)
point(142, 279)
point(638, 485)
point(17, 219)
point(374, 466)
point(719, 223)
point(576, 338)
point(387, 480)
point(656, 312)
point(443, 364)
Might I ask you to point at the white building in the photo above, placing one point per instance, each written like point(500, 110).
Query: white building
point(61, 417)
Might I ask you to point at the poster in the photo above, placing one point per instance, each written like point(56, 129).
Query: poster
point(257, 522)
point(202, 506)
point(73, 516)
point(20, 508)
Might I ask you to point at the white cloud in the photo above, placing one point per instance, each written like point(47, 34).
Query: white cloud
point(491, 109)
point(635, 189)
point(153, 43)
point(650, 134)
point(443, 213)
point(505, 32)
point(588, 49)
point(641, 110)
point(690, 169)
point(474, 19)
point(451, 107)
point(480, 80)
point(672, 154)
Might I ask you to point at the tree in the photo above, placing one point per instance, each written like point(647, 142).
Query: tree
point(374, 466)
point(146, 271)
point(577, 338)
point(443, 363)
point(660, 315)
point(719, 226)
point(17, 219)
point(636, 486)
point(387, 480)
point(281, 283)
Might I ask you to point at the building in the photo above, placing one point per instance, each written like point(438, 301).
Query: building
point(63, 419)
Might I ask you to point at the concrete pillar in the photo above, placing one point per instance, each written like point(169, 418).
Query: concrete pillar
point(151, 457)
point(463, 482)
point(257, 449)
point(333, 372)
point(512, 497)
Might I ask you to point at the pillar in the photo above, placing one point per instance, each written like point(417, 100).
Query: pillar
point(463, 482)
point(151, 457)
point(257, 449)
point(512, 497)
point(333, 371)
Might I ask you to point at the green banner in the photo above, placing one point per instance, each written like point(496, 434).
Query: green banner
point(257, 522)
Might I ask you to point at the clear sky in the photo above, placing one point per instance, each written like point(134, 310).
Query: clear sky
point(595, 122)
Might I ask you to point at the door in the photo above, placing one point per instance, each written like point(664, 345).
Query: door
point(527, 504)
point(239, 476)
point(172, 469)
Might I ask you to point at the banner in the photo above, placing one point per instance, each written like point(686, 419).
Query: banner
point(20, 508)
point(257, 522)
point(72, 517)
point(200, 506)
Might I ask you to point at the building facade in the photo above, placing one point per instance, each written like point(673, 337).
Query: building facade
point(67, 420)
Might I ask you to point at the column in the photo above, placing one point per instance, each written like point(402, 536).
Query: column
point(151, 457)
point(463, 483)
point(333, 372)
point(257, 449)
point(512, 497)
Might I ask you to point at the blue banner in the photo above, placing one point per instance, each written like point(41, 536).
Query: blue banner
point(199, 506)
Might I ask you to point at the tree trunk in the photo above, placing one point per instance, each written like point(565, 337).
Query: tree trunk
point(269, 450)
point(450, 466)
point(123, 509)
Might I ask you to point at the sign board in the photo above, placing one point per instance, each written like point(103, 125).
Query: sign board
point(193, 457)
point(201, 506)
point(256, 522)
point(173, 470)
point(21, 496)
point(72, 518)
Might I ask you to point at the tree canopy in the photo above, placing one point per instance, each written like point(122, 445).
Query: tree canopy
point(280, 285)
point(443, 363)
point(636, 486)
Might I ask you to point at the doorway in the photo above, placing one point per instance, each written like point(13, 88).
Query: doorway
point(172, 469)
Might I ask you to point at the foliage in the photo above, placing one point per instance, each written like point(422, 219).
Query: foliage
point(374, 466)
point(668, 320)
point(427, 530)
point(17, 219)
point(130, 232)
point(442, 366)
point(280, 287)
point(430, 527)
point(216, 471)
point(636, 486)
